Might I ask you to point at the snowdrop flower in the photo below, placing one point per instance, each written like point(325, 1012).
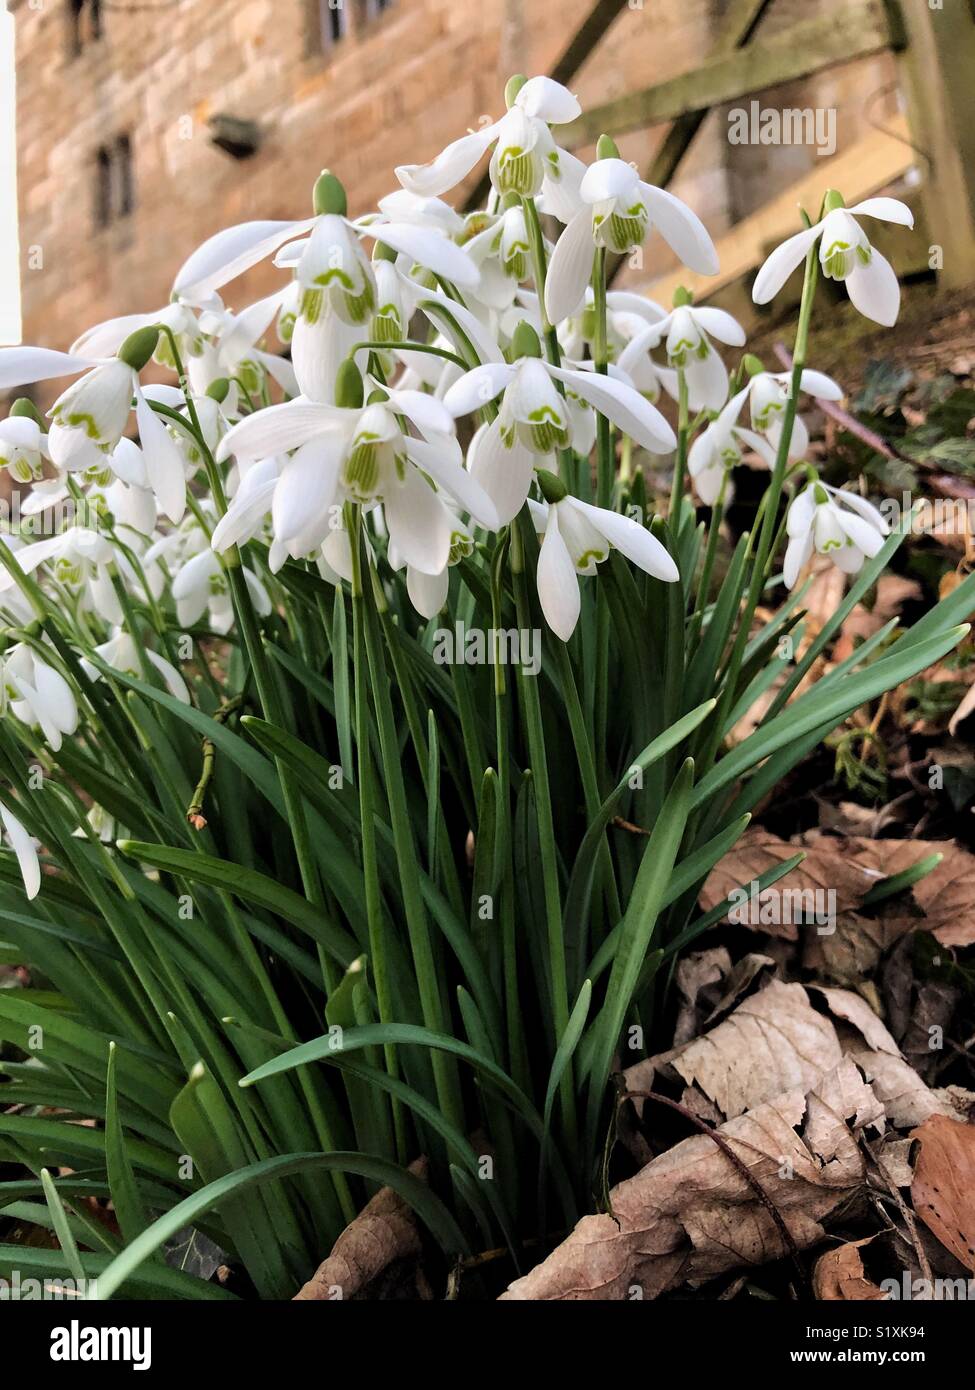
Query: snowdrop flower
point(428, 592)
point(225, 350)
point(359, 452)
point(329, 260)
point(200, 586)
point(121, 654)
point(576, 537)
point(686, 331)
point(90, 417)
point(840, 525)
point(717, 450)
point(502, 253)
point(845, 254)
point(526, 159)
point(79, 559)
point(39, 696)
point(768, 393)
point(618, 213)
point(23, 444)
point(25, 848)
point(535, 419)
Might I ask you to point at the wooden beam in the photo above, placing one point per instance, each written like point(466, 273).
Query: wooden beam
point(744, 19)
point(585, 39)
point(938, 66)
point(575, 53)
point(871, 164)
point(806, 48)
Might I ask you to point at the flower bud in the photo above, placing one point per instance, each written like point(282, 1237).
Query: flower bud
point(348, 385)
point(552, 488)
point(217, 390)
point(329, 195)
point(512, 87)
point(524, 342)
point(138, 347)
point(27, 409)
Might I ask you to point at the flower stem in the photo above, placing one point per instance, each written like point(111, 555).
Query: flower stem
point(606, 462)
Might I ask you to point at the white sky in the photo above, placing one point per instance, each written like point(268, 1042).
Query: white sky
point(9, 253)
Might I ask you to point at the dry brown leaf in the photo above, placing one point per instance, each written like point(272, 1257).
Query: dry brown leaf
point(853, 1009)
point(943, 1190)
point(907, 1099)
point(839, 1276)
point(773, 1042)
point(946, 896)
point(695, 972)
point(384, 1231)
point(851, 865)
point(691, 1214)
point(759, 850)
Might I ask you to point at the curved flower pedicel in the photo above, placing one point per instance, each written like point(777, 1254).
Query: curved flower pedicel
point(842, 526)
point(618, 213)
point(845, 254)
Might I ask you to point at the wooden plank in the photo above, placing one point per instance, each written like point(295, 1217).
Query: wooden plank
point(585, 39)
point(806, 48)
point(872, 163)
point(744, 19)
point(939, 70)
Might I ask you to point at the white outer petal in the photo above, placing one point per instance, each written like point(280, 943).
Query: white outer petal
point(428, 592)
point(450, 165)
point(570, 268)
point(307, 486)
point(886, 209)
point(229, 253)
point(278, 428)
point(681, 229)
point(875, 290)
point(718, 323)
point(557, 581)
point(163, 460)
point(781, 263)
point(19, 366)
point(549, 100)
point(477, 387)
point(504, 474)
point(419, 524)
point(455, 479)
point(623, 405)
point(430, 249)
point(630, 539)
point(23, 847)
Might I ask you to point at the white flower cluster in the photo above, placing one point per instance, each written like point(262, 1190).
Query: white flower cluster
point(394, 329)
